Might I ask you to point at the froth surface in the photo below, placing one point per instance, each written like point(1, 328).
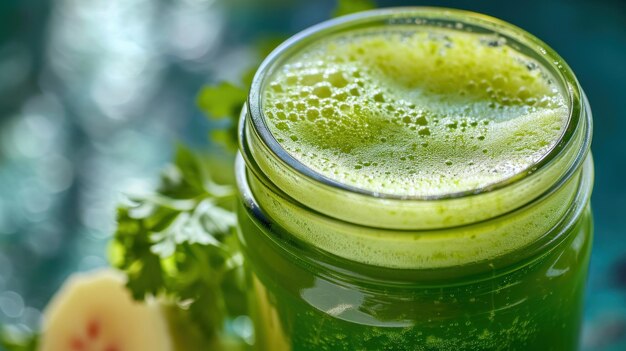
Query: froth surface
point(414, 112)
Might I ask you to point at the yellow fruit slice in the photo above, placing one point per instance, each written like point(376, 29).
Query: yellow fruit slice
point(95, 312)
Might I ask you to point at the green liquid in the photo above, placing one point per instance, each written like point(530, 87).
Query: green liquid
point(414, 112)
point(417, 112)
point(301, 306)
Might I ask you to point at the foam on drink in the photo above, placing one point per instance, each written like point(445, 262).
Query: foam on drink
point(414, 111)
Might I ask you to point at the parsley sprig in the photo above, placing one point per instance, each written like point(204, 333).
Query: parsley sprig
point(178, 244)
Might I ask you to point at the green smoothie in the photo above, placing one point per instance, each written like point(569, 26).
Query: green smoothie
point(302, 304)
point(414, 111)
point(415, 180)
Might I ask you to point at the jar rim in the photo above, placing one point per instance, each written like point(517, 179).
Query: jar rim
point(445, 18)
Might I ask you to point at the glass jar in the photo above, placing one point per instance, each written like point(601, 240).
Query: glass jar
point(332, 267)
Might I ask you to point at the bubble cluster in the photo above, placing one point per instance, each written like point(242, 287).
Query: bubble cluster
point(413, 111)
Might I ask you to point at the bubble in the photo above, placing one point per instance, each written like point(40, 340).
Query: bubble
point(312, 79)
point(313, 101)
point(276, 87)
point(421, 120)
point(291, 79)
point(337, 79)
point(322, 91)
point(312, 114)
point(282, 126)
point(328, 112)
point(424, 131)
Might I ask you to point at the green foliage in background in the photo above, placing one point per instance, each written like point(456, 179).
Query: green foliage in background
point(347, 7)
point(224, 100)
point(14, 340)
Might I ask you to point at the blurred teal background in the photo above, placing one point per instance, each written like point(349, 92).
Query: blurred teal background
point(94, 94)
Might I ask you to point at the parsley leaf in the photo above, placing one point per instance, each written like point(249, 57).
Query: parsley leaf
point(346, 7)
point(222, 100)
point(178, 244)
point(225, 100)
